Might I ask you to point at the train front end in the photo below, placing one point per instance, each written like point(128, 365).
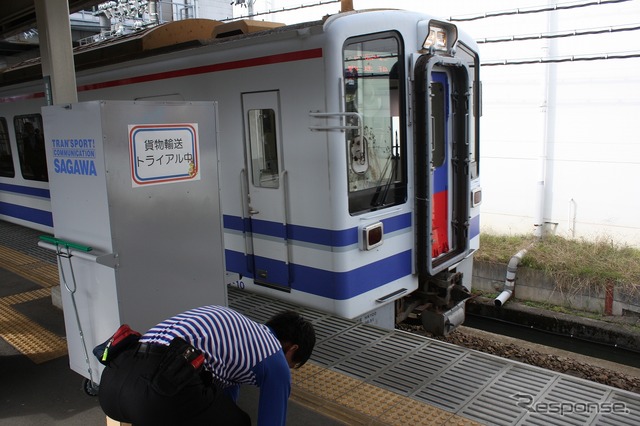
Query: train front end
point(409, 115)
point(447, 186)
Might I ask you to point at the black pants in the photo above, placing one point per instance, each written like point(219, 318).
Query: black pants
point(126, 395)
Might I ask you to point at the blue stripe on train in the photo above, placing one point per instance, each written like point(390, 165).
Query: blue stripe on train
point(25, 190)
point(474, 226)
point(334, 285)
point(308, 234)
point(29, 214)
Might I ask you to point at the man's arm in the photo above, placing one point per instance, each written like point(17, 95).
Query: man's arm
point(274, 379)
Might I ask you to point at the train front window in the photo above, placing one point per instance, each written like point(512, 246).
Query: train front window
point(374, 92)
point(30, 141)
point(6, 158)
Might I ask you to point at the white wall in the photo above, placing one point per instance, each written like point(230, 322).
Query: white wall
point(585, 134)
point(214, 9)
point(559, 141)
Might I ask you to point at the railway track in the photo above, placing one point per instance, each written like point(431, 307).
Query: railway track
point(612, 366)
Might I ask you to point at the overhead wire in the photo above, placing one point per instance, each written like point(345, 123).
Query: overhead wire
point(560, 34)
point(523, 37)
point(560, 59)
point(535, 9)
point(568, 58)
point(284, 9)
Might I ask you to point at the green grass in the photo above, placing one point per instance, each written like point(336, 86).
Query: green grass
point(575, 265)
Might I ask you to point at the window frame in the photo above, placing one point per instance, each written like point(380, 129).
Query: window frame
point(6, 154)
point(393, 191)
point(28, 172)
point(259, 147)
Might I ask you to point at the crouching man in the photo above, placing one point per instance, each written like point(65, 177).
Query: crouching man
point(189, 368)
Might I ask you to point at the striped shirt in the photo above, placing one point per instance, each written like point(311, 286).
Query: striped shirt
point(232, 344)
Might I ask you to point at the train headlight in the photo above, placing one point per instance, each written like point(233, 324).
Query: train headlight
point(441, 36)
point(476, 197)
point(372, 236)
point(437, 39)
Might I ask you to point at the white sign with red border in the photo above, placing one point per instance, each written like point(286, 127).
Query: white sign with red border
point(163, 153)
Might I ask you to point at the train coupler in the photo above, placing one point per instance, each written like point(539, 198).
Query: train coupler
point(443, 323)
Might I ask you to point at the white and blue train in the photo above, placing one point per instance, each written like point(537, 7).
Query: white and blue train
point(349, 151)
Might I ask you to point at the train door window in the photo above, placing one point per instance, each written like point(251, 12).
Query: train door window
point(6, 158)
point(438, 122)
point(264, 148)
point(374, 80)
point(30, 141)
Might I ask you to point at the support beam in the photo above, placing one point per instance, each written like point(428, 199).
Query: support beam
point(56, 51)
point(346, 6)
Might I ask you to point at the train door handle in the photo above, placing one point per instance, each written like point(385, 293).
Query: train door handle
point(252, 211)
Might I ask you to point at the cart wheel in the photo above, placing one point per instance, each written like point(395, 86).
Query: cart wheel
point(90, 388)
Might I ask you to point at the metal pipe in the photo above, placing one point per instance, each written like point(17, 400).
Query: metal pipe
point(70, 252)
point(510, 280)
point(573, 207)
point(544, 184)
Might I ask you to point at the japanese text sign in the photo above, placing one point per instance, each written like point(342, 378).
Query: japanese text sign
point(163, 153)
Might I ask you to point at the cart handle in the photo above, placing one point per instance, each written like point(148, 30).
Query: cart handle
point(66, 244)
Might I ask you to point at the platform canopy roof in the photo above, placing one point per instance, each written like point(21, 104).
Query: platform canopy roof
point(18, 16)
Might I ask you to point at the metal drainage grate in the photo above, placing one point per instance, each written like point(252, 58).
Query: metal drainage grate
point(455, 386)
point(370, 361)
point(471, 384)
point(343, 345)
point(570, 393)
point(328, 327)
point(420, 367)
point(514, 386)
point(620, 409)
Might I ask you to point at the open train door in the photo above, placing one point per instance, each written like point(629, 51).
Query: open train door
point(443, 89)
point(266, 203)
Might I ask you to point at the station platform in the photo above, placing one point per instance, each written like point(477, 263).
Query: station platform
point(358, 374)
point(38, 386)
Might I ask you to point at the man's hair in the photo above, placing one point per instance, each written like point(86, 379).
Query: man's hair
point(291, 327)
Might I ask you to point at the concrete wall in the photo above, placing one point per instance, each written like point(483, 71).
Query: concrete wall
point(536, 286)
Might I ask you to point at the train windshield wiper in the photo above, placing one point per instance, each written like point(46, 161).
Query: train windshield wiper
point(380, 196)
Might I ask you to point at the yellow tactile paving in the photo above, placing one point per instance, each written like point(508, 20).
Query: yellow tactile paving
point(34, 341)
point(28, 337)
point(304, 372)
point(14, 299)
point(329, 384)
point(370, 399)
point(41, 273)
point(359, 403)
point(411, 412)
point(461, 421)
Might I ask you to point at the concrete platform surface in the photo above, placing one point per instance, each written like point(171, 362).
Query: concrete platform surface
point(37, 386)
point(50, 393)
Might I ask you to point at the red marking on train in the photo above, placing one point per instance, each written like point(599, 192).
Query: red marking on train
point(21, 97)
point(439, 221)
point(225, 66)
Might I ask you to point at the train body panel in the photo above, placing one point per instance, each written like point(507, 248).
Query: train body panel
point(319, 140)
